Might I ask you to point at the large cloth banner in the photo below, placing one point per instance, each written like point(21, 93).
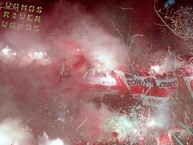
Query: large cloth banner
point(151, 90)
point(189, 83)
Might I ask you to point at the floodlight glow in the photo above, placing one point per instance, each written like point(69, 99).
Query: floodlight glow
point(8, 52)
point(156, 68)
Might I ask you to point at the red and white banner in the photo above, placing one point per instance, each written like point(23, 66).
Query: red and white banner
point(111, 81)
point(189, 83)
point(153, 91)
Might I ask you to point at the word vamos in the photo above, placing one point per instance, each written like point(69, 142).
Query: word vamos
point(21, 16)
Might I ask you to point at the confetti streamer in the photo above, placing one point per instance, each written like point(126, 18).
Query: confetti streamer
point(186, 128)
point(124, 47)
point(133, 114)
point(169, 27)
point(81, 124)
point(186, 116)
point(180, 143)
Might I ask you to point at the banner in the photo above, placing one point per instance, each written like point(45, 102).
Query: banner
point(151, 90)
point(189, 83)
point(115, 79)
point(108, 81)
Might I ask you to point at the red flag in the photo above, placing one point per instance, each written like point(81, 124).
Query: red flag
point(152, 90)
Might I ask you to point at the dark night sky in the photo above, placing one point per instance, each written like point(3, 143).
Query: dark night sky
point(141, 18)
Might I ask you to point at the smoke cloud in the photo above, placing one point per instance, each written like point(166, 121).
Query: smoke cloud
point(12, 131)
point(30, 90)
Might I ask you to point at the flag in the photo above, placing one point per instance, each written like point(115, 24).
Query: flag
point(151, 90)
point(189, 82)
